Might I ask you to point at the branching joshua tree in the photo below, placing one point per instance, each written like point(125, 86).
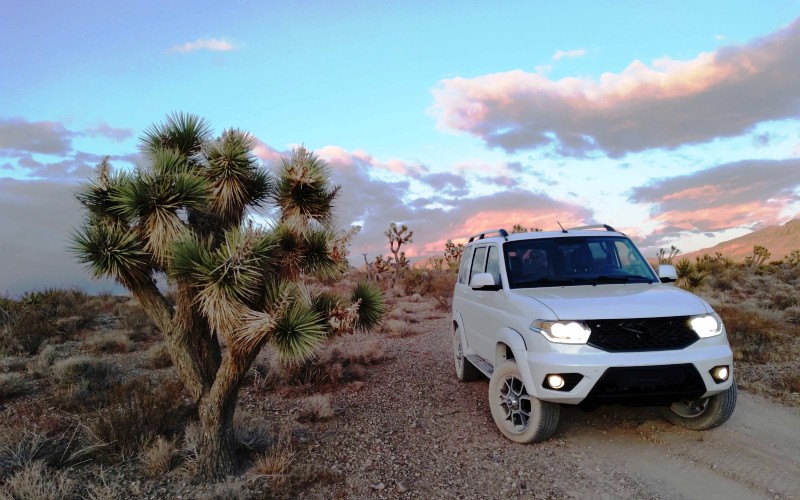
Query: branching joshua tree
point(237, 286)
point(398, 236)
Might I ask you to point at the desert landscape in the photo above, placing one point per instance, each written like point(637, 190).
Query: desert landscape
point(93, 408)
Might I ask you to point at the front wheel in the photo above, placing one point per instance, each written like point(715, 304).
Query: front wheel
point(704, 413)
point(521, 417)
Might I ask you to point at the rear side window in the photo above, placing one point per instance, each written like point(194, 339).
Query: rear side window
point(478, 259)
point(463, 269)
point(493, 264)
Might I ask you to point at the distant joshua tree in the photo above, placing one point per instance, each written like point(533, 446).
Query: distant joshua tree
point(666, 258)
point(237, 287)
point(399, 236)
point(518, 228)
point(759, 257)
point(452, 254)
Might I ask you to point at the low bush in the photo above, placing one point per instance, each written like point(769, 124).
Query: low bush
point(317, 408)
point(137, 412)
point(157, 356)
point(111, 342)
point(753, 338)
point(159, 457)
point(38, 481)
point(252, 432)
point(11, 385)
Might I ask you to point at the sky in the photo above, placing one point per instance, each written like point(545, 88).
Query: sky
point(675, 122)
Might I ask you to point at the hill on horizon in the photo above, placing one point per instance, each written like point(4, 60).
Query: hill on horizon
point(779, 240)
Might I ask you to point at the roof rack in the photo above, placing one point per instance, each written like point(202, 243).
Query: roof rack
point(594, 226)
point(482, 235)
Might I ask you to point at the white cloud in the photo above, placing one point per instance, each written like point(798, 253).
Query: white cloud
point(208, 44)
point(561, 54)
point(666, 104)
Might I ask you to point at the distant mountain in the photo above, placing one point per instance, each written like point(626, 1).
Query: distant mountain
point(779, 240)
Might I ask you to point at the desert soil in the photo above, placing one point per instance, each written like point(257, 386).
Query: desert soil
point(413, 430)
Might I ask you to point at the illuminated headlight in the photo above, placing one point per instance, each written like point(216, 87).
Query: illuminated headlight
point(707, 325)
point(563, 332)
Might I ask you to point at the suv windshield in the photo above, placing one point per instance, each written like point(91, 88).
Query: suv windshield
point(580, 260)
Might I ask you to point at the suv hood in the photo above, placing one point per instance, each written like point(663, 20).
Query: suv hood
point(616, 301)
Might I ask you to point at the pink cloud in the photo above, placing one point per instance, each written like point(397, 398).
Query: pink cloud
point(665, 104)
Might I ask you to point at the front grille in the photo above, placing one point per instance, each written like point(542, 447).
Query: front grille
point(642, 334)
point(646, 386)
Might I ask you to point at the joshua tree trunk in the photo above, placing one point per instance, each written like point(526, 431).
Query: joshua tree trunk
point(218, 440)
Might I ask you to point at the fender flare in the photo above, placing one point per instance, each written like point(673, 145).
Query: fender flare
point(511, 339)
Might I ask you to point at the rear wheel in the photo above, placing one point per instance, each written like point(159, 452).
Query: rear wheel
point(704, 413)
point(521, 417)
point(465, 371)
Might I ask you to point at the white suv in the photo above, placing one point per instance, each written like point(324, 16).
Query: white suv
point(579, 317)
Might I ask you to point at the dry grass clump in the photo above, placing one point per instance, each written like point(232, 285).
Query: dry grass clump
point(252, 432)
point(41, 366)
point(111, 342)
point(157, 356)
point(399, 328)
point(38, 481)
point(26, 323)
point(11, 385)
point(331, 366)
point(159, 457)
point(317, 408)
point(77, 368)
point(753, 337)
point(137, 412)
point(274, 464)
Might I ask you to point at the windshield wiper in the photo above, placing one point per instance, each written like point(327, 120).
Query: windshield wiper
point(544, 281)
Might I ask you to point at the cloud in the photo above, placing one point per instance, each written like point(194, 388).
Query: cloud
point(35, 238)
point(667, 104)
point(18, 136)
point(738, 194)
point(207, 44)
point(561, 54)
point(105, 130)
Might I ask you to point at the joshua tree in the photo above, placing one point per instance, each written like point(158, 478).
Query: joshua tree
point(238, 287)
point(398, 236)
point(519, 228)
point(666, 258)
point(759, 257)
point(452, 254)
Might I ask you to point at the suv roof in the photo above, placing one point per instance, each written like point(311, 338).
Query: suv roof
point(503, 235)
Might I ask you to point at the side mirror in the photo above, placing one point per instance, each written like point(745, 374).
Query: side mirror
point(667, 273)
point(484, 281)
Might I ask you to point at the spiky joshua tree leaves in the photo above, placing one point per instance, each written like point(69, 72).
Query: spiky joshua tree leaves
point(238, 286)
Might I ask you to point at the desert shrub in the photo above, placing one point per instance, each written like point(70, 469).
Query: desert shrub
point(37, 481)
point(416, 281)
point(782, 299)
point(111, 342)
point(274, 464)
point(252, 432)
point(317, 408)
point(793, 315)
point(38, 315)
point(752, 337)
point(159, 457)
point(330, 367)
point(399, 328)
point(157, 356)
point(11, 385)
point(442, 286)
point(19, 447)
point(136, 413)
point(131, 316)
point(41, 366)
point(77, 368)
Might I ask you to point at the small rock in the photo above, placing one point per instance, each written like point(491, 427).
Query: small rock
point(402, 487)
point(379, 486)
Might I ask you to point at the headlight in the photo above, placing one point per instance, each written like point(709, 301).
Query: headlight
point(563, 332)
point(706, 325)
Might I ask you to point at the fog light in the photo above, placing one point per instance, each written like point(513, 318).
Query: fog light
point(555, 381)
point(720, 373)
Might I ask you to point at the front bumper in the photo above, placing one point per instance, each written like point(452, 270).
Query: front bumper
point(640, 378)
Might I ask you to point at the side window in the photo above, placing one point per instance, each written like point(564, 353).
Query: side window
point(463, 269)
point(493, 265)
point(478, 259)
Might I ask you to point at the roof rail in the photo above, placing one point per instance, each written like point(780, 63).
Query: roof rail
point(594, 226)
point(482, 235)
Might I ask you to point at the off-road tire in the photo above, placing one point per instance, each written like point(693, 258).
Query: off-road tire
point(521, 417)
point(705, 413)
point(465, 371)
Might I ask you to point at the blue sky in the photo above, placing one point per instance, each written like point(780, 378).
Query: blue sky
point(662, 119)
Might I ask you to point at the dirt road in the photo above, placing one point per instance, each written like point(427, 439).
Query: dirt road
point(414, 431)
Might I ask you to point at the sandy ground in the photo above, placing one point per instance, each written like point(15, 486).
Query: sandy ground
point(413, 430)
